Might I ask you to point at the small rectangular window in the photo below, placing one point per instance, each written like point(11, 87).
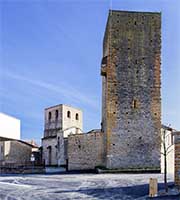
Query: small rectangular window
point(69, 114)
point(135, 104)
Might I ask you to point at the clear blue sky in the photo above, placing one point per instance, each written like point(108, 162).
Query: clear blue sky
point(50, 53)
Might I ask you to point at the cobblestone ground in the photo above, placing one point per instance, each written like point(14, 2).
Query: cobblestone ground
point(77, 186)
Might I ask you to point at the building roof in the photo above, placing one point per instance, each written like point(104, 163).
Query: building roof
point(133, 11)
point(94, 131)
point(60, 105)
point(49, 137)
point(167, 128)
point(21, 141)
point(8, 116)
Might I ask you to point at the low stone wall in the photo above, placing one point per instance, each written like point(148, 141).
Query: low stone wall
point(85, 151)
point(22, 170)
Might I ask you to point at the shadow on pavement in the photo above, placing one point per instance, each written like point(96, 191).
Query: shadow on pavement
point(133, 192)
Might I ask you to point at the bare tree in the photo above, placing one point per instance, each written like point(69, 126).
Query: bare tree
point(166, 151)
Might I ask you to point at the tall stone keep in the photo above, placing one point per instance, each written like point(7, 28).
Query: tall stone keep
point(131, 100)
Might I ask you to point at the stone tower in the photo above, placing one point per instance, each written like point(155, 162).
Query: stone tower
point(131, 100)
point(60, 121)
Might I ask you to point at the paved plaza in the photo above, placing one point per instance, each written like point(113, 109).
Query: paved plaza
point(77, 186)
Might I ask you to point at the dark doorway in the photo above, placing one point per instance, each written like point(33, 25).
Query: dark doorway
point(49, 155)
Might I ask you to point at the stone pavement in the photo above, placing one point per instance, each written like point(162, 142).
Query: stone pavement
point(78, 186)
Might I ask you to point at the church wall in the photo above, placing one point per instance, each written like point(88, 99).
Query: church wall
point(46, 144)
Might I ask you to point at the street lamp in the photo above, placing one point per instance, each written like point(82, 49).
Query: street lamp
point(32, 160)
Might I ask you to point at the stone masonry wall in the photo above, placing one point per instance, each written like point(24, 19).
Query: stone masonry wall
point(16, 152)
point(177, 159)
point(131, 90)
point(85, 151)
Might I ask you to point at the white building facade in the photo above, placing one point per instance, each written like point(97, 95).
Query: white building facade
point(168, 133)
point(10, 127)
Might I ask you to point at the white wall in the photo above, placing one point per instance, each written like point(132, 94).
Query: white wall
point(9, 126)
point(71, 131)
point(72, 122)
point(169, 139)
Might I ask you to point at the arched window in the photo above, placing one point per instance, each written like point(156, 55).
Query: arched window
point(69, 114)
point(77, 116)
point(57, 114)
point(49, 116)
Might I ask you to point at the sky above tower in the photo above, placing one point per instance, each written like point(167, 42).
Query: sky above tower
point(50, 53)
